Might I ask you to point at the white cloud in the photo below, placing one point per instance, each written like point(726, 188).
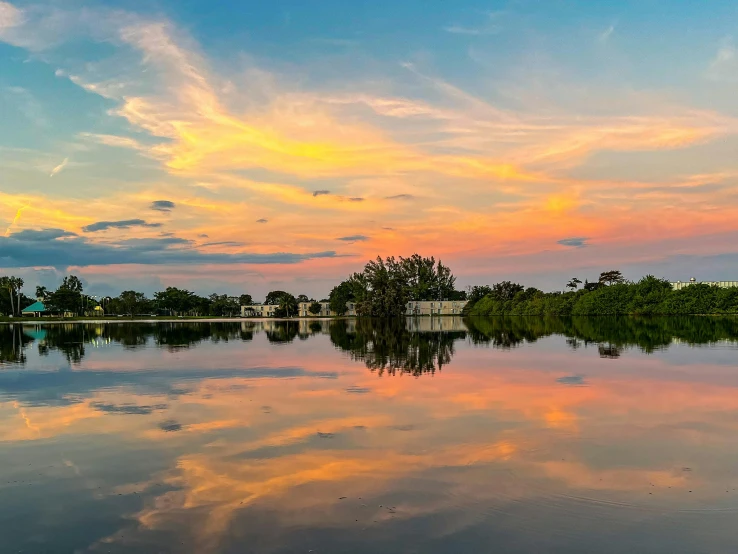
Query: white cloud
point(724, 66)
point(10, 16)
point(489, 27)
point(58, 169)
point(607, 33)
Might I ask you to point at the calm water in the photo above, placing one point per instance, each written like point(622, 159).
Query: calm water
point(434, 436)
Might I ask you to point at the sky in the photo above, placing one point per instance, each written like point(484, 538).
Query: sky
point(244, 146)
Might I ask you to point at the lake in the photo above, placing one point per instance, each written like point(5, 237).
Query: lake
point(426, 435)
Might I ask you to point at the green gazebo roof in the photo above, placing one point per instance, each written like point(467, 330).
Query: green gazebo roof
point(34, 308)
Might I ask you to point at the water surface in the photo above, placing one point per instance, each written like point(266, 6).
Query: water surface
point(427, 435)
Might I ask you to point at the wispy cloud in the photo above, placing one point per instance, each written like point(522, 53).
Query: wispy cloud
point(162, 205)
point(574, 242)
point(489, 26)
point(354, 238)
point(321, 192)
point(262, 220)
point(400, 197)
point(605, 35)
point(724, 66)
point(125, 224)
point(58, 169)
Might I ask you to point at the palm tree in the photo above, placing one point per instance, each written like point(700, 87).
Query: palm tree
point(41, 293)
point(14, 285)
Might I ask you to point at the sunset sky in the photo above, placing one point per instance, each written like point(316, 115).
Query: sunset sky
point(243, 146)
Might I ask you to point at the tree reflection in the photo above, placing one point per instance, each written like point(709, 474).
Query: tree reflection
point(13, 344)
point(610, 334)
point(413, 345)
point(387, 346)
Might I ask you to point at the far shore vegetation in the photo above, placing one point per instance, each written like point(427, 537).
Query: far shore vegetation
point(610, 295)
point(382, 290)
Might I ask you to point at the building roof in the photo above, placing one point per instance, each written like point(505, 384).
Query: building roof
point(34, 308)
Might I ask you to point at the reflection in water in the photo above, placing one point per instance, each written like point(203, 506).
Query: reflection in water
point(388, 345)
point(413, 345)
point(272, 437)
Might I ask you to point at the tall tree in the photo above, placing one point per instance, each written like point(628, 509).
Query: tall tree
point(426, 279)
point(245, 300)
point(73, 283)
point(506, 290)
point(573, 284)
point(303, 298)
point(612, 277)
point(13, 285)
point(287, 306)
point(315, 308)
point(132, 301)
point(176, 300)
point(42, 293)
point(383, 289)
point(340, 296)
point(274, 297)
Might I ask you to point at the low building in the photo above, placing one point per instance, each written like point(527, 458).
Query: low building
point(37, 309)
point(435, 307)
point(258, 310)
point(721, 284)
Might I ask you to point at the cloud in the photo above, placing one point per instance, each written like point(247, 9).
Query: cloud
point(724, 66)
point(170, 426)
point(354, 238)
point(10, 16)
point(575, 380)
point(203, 236)
point(59, 167)
point(489, 27)
point(33, 235)
point(356, 199)
point(321, 192)
point(80, 251)
point(224, 243)
point(262, 220)
point(126, 224)
point(605, 35)
point(127, 409)
point(574, 242)
point(114, 140)
point(400, 197)
point(162, 205)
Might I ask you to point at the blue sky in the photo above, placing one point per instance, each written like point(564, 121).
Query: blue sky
point(489, 134)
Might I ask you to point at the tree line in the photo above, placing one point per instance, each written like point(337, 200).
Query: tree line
point(611, 294)
point(70, 298)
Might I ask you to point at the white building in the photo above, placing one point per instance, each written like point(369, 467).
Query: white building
point(413, 308)
point(435, 307)
point(721, 284)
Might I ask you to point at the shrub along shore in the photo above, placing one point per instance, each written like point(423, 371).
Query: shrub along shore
point(649, 296)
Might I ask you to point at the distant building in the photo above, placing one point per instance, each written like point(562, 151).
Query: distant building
point(435, 307)
point(721, 284)
point(413, 308)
